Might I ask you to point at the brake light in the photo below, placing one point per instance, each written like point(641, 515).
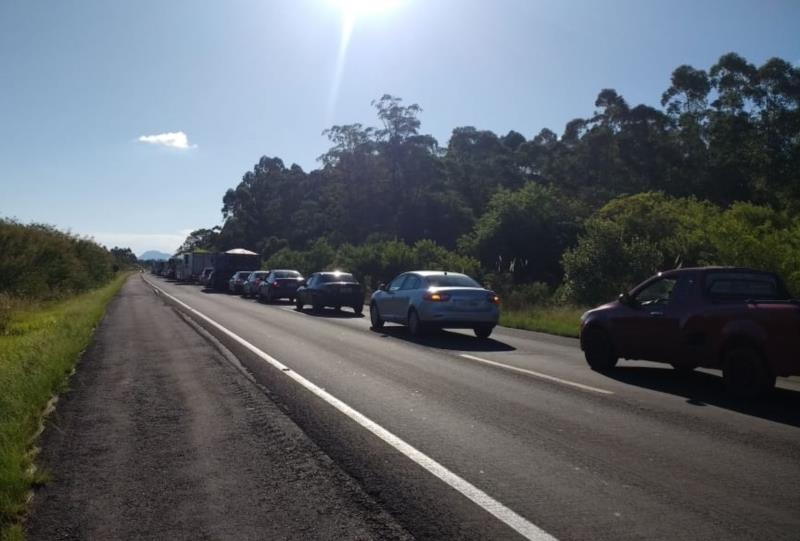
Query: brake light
point(494, 298)
point(274, 284)
point(436, 297)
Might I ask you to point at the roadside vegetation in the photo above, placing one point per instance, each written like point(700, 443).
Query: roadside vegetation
point(54, 288)
point(710, 177)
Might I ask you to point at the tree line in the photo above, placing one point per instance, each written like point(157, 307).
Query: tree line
point(39, 262)
point(711, 177)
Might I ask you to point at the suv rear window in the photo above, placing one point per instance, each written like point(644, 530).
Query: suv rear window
point(744, 286)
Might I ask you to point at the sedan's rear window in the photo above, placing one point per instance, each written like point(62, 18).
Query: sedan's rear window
point(743, 286)
point(339, 277)
point(451, 280)
point(287, 274)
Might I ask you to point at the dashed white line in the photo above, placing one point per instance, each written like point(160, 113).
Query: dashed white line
point(507, 516)
point(537, 374)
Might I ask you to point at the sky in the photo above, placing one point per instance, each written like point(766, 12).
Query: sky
point(128, 121)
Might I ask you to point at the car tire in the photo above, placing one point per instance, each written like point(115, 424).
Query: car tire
point(415, 326)
point(598, 350)
point(683, 369)
point(316, 306)
point(744, 372)
point(484, 331)
point(375, 317)
point(358, 309)
point(269, 297)
point(298, 304)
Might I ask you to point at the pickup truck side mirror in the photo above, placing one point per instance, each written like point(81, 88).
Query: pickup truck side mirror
point(626, 300)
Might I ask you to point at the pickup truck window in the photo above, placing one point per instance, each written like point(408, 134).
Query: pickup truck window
point(657, 292)
point(742, 286)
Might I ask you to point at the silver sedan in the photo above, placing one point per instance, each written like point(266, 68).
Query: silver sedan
point(435, 299)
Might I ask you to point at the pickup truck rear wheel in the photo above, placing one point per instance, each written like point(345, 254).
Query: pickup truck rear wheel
point(745, 373)
point(598, 350)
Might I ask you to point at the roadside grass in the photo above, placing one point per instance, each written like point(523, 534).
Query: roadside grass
point(39, 346)
point(560, 320)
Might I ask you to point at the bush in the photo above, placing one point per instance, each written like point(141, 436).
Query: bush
point(39, 262)
point(374, 261)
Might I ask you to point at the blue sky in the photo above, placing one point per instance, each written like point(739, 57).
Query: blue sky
point(81, 81)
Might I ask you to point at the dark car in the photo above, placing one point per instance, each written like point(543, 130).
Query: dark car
point(740, 320)
point(236, 282)
point(254, 279)
point(335, 289)
point(205, 275)
point(280, 284)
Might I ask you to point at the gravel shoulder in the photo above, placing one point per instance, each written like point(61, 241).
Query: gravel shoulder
point(162, 437)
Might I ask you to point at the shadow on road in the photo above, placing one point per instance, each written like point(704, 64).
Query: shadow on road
point(347, 313)
point(701, 389)
point(442, 339)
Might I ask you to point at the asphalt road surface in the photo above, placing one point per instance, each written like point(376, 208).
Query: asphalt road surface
point(514, 436)
point(161, 437)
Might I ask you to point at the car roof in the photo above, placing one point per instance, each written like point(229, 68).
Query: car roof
point(435, 273)
point(674, 272)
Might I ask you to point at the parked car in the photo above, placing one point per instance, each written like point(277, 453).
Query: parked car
point(737, 319)
point(205, 275)
point(236, 282)
point(336, 289)
point(250, 287)
point(435, 299)
point(279, 284)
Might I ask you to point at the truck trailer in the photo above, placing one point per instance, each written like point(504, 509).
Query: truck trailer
point(227, 263)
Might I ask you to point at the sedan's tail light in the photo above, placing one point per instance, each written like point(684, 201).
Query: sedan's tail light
point(274, 284)
point(436, 297)
point(494, 298)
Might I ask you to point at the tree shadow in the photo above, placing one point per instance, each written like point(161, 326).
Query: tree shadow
point(701, 389)
point(442, 339)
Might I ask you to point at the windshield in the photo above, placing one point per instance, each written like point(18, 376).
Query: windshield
point(451, 280)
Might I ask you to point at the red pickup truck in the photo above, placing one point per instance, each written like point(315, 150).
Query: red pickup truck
point(740, 320)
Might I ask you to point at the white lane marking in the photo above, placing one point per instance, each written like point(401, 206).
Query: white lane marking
point(505, 515)
point(537, 374)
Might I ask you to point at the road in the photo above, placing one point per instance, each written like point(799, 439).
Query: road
point(549, 447)
point(162, 436)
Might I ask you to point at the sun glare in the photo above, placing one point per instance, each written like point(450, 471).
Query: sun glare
point(352, 11)
point(355, 8)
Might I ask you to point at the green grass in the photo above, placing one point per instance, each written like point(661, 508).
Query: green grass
point(39, 346)
point(560, 320)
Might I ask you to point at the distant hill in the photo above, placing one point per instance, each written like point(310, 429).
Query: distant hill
point(154, 254)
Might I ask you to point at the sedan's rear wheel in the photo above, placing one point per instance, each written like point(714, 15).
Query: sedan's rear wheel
point(483, 331)
point(358, 309)
point(598, 350)
point(375, 317)
point(415, 327)
point(298, 304)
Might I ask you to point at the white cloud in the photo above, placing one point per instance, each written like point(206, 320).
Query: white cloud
point(176, 139)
